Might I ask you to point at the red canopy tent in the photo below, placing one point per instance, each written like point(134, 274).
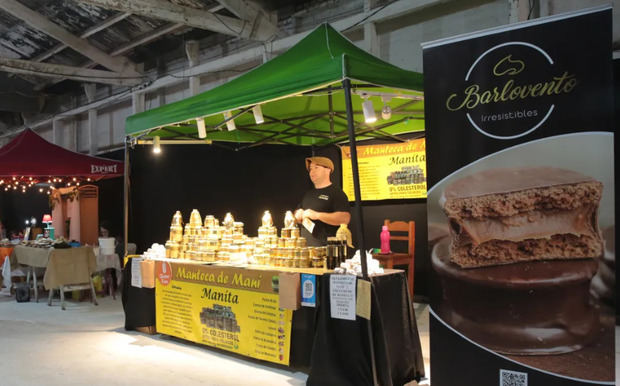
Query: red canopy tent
point(29, 160)
point(29, 155)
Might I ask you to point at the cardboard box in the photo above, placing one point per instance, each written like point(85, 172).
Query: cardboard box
point(147, 330)
point(148, 273)
point(290, 295)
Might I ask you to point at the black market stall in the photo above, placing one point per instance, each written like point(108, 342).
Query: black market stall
point(303, 97)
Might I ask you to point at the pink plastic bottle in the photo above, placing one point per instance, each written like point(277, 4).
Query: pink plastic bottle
point(385, 240)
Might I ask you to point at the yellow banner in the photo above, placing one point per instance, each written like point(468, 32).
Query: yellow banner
point(387, 171)
point(233, 309)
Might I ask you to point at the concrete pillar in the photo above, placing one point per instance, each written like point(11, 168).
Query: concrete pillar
point(89, 90)
point(519, 10)
point(371, 41)
point(191, 49)
point(137, 102)
point(56, 132)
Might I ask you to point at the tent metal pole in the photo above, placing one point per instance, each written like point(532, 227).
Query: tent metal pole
point(356, 179)
point(360, 219)
point(126, 198)
point(330, 105)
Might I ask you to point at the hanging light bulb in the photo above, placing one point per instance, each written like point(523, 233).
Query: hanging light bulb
point(156, 145)
point(258, 114)
point(88, 179)
point(74, 179)
point(40, 190)
point(78, 184)
point(48, 192)
point(202, 129)
point(230, 123)
point(386, 111)
point(369, 111)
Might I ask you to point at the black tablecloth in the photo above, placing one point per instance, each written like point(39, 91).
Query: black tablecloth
point(332, 351)
point(341, 354)
point(138, 303)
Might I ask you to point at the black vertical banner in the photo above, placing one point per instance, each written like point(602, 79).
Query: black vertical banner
point(520, 158)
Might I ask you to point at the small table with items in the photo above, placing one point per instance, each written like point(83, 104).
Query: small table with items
point(106, 263)
point(63, 267)
point(70, 269)
point(389, 260)
point(4, 253)
point(32, 257)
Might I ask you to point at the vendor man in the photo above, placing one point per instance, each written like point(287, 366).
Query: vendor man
point(326, 206)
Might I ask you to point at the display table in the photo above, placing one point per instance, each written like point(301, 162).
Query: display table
point(70, 269)
point(31, 257)
point(69, 266)
point(332, 351)
point(105, 263)
point(62, 266)
point(341, 353)
point(4, 253)
point(389, 260)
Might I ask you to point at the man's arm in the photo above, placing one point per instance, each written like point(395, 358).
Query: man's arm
point(333, 218)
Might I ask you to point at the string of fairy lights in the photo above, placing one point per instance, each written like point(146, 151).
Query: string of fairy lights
point(44, 185)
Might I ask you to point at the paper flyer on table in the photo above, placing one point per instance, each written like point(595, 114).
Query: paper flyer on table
point(136, 272)
point(342, 296)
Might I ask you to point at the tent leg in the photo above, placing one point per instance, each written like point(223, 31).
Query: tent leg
point(126, 199)
point(358, 210)
point(356, 180)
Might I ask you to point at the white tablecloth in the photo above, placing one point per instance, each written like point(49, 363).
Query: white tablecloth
point(107, 261)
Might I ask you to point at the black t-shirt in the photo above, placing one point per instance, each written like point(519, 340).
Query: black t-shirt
point(329, 199)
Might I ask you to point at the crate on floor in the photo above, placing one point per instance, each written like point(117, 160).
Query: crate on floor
point(147, 330)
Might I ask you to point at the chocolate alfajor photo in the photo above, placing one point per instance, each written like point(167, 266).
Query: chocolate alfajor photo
point(503, 216)
point(520, 240)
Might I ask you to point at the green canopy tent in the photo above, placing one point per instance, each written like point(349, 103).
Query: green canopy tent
point(306, 96)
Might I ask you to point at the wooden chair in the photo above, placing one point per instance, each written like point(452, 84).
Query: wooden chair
point(401, 231)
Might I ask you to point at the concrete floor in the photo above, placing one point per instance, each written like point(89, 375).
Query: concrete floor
point(86, 344)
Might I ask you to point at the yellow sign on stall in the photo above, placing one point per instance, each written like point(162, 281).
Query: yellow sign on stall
point(393, 171)
point(233, 309)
